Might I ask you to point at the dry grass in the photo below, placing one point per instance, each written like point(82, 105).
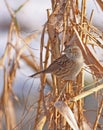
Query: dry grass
point(65, 19)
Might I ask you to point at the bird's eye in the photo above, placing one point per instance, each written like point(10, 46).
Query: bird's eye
point(70, 49)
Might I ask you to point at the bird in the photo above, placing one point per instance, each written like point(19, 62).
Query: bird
point(67, 66)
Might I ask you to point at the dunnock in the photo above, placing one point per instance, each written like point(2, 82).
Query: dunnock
point(67, 66)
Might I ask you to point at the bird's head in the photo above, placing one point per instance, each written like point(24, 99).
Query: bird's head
point(73, 51)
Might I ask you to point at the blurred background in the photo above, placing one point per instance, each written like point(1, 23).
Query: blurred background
point(31, 19)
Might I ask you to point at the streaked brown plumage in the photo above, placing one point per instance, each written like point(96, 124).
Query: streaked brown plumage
point(67, 66)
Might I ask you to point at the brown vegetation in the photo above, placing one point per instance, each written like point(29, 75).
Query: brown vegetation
point(63, 108)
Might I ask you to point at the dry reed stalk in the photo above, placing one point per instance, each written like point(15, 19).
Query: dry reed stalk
point(87, 93)
point(98, 115)
point(100, 2)
point(43, 80)
point(54, 26)
point(64, 20)
point(7, 104)
point(7, 91)
point(9, 75)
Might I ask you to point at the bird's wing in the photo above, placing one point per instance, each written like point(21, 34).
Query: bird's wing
point(66, 66)
point(57, 64)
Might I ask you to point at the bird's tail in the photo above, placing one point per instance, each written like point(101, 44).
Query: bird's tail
point(33, 75)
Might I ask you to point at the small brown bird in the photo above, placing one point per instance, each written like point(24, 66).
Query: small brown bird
point(67, 66)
